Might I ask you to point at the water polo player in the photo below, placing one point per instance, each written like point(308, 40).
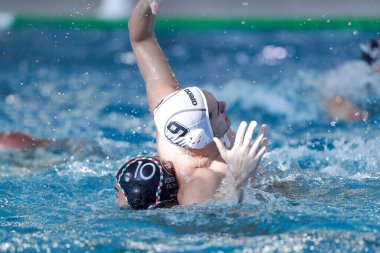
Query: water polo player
point(193, 128)
point(351, 91)
point(146, 183)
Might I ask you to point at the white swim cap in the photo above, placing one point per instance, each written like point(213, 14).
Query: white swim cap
point(182, 117)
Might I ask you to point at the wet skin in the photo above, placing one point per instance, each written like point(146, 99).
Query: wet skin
point(220, 123)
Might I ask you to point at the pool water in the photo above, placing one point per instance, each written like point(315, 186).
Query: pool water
point(318, 190)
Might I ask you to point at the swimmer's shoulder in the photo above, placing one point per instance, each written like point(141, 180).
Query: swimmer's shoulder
point(186, 163)
point(166, 149)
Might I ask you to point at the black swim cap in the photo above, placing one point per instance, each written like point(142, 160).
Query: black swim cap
point(371, 51)
point(147, 183)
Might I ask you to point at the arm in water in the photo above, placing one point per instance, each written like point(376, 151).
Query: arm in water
point(20, 140)
point(339, 108)
point(154, 68)
point(244, 158)
point(73, 147)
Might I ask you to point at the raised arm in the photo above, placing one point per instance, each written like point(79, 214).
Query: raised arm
point(154, 68)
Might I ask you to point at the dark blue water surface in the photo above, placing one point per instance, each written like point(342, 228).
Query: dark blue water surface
point(318, 190)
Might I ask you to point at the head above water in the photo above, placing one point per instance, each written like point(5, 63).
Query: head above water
point(371, 51)
point(191, 117)
point(145, 183)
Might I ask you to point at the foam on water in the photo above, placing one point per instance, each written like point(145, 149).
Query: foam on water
point(253, 96)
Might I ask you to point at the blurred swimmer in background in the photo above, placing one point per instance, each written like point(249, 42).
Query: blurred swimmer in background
point(24, 151)
point(351, 92)
point(21, 140)
point(193, 130)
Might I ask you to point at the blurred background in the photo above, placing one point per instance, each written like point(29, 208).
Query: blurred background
point(116, 9)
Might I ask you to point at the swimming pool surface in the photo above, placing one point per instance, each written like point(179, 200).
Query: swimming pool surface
point(318, 190)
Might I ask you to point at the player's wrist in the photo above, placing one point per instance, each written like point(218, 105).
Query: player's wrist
point(231, 187)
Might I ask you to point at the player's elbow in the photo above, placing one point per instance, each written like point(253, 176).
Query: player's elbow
point(138, 34)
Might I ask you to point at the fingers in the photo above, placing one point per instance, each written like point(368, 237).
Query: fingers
point(258, 140)
point(240, 133)
point(248, 135)
point(222, 149)
point(154, 5)
point(263, 149)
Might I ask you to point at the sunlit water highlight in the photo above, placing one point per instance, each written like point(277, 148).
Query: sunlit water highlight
point(318, 190)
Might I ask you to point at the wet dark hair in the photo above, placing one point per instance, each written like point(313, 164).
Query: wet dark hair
point(139, 196)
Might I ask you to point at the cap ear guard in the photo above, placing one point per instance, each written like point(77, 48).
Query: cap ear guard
point(197, 138)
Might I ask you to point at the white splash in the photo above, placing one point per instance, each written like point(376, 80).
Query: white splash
point(6, 20)
point(115, 9)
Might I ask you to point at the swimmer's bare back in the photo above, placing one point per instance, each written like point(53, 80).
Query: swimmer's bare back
point(21, 140)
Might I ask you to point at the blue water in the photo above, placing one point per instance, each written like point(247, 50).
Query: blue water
point(318, 190)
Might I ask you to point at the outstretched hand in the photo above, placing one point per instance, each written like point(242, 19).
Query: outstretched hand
point(244, 158)
point(154, 5)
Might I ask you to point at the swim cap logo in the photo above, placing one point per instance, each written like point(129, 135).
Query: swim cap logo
point(127, 177)
point(177, 130)
point(191, 96)
point(168, 168)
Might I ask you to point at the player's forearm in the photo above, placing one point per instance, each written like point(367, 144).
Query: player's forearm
point(141, 22)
